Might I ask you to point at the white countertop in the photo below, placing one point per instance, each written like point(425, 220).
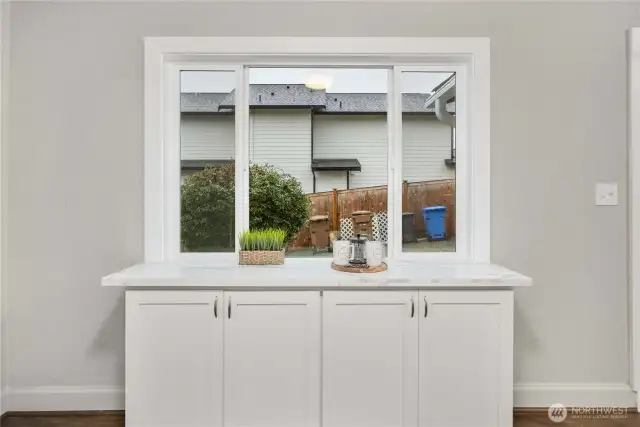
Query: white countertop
point(314, 273)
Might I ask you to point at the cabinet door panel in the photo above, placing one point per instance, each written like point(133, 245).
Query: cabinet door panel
point(173, 359)
point(466, 358)
point(272, 359)
point(370, 359)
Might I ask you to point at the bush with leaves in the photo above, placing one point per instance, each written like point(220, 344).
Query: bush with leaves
point(276, 200)
point(207, 210)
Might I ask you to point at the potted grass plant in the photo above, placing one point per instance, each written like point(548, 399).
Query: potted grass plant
point(262, 247)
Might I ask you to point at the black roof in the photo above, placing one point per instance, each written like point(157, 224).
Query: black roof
point(300, 96)
point(336, 165)
point(201, 102)
point(279, 95)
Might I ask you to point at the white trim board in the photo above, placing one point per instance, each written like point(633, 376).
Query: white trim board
point(542, 395)
point(526, 395)
point(50, 398)
point(634, 207)
point(4, 34)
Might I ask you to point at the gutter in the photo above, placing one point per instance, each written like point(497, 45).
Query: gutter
point(442, 114)
point(313, 172)
point(443, 93)
point(444, 88)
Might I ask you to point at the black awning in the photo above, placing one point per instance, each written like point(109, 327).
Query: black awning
point(335, 165)
point(196, 165)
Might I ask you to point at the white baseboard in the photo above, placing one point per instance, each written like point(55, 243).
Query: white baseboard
point(526, 395)
point(63, 399)
point(542, 395)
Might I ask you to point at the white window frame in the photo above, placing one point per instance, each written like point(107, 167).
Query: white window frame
point(165, 57)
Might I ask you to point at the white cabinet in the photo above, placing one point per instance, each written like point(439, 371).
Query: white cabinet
point(362, 358)
point(272, 359)
point(466, 358)
point(370, 358)
point(173, 359)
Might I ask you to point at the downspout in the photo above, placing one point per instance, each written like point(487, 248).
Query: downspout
point(311, 134)
point(312, 171)
point(450, 120)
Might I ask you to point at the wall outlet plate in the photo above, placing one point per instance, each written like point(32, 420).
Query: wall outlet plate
point(607, 194)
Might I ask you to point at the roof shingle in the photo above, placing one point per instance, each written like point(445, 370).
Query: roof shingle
point(298, 95)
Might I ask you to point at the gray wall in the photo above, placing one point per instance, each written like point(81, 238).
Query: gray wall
point(75, 176)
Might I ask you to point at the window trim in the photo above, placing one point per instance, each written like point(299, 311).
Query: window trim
point(463, 203)
point(165, 56)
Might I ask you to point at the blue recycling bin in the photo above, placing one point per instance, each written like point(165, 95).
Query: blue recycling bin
point(434, 222)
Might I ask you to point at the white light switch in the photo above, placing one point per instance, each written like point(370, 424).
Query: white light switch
point(606, 194)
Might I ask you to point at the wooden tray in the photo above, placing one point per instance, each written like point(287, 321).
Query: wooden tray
point(352, 268)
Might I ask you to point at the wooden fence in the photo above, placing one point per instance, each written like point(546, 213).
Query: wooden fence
point(415, 196)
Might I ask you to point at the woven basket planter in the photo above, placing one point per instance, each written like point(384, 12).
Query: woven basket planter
point(261, 257)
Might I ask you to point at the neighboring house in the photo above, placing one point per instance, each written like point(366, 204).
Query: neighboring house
point(326, 140)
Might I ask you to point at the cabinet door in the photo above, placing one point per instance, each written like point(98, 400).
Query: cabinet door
point(370, 359)
point(173, 358)
point(466, 358)
point(272, 359)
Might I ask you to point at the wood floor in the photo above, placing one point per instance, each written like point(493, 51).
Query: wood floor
point(66, 420)
point(522, 419)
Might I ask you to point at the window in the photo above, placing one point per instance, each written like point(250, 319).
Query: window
point(326, 131)
point(428, 177)
point(324, 138)
point(207, 161)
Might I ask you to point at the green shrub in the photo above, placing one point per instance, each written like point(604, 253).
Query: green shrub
point(276, 200)
point(208, 210)
point(271, 239)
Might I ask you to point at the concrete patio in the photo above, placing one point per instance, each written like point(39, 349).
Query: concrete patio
point(422, 245)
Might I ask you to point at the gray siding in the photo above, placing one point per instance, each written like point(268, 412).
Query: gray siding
point(207, 137)
point(426, 143)
point(363, 137)
point(282, 138)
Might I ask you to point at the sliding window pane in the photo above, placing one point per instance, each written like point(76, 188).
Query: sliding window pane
point(207, 161)
point(428, 162)
point(318, 148)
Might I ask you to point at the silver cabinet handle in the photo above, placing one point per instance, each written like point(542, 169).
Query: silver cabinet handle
point(229, 309)
point(215, 308)
point(413, 307)
point(426, 307)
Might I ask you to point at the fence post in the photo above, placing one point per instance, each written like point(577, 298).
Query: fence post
point(405, 191)
point(335, 217)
